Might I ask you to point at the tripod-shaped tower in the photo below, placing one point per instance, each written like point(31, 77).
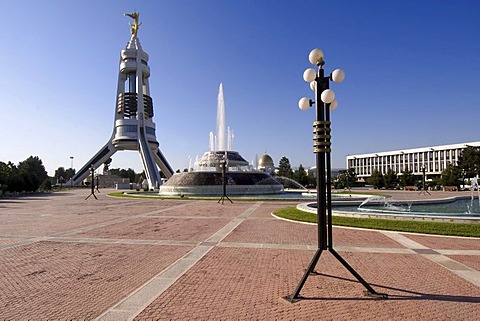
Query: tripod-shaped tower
point(134, 128)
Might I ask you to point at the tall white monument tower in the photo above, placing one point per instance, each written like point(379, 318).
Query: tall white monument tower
point(134, 128)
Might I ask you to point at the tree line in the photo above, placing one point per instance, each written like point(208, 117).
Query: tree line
point(300, 175)
point(28, 176)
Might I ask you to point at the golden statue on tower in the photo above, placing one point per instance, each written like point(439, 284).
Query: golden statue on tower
point(135, 25)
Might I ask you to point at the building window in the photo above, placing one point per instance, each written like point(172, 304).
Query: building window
point(128, 129)
point(150, 130)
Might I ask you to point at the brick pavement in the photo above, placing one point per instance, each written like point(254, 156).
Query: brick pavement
point(122, 259)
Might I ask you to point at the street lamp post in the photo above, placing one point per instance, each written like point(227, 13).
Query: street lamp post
point(324, 103)
point(92, 185)
point(71, 166)
point(223, 166)
point(424, 190)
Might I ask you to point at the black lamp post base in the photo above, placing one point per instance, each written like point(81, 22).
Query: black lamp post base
point(315, 272)
point(381, 296)
point(292, 299)
point(295, 297)
point(223, 198)
point(92, 194)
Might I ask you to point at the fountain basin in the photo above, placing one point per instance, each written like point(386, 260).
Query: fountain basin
point(445, 210)
point(211, 183)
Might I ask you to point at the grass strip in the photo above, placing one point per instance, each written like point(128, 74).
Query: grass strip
point(424, 227)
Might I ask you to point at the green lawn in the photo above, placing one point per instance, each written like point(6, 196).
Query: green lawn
point(439, 228)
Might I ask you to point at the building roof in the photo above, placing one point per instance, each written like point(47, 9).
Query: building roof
point(265, 160)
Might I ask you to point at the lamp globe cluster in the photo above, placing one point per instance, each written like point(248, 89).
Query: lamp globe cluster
point(312, 77)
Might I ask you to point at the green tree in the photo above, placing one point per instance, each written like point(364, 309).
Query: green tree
point(376, 179)
point(451, 176)
point(60, 174)
point(345, 178)
point(115, 171)
point(124, 173)
point(69, 173)
point(33, 173)
point(301, 175)
point(15, 182)
point(390, 179)
point(284, 168)
point(139, 177)
point(469, 161)
point(46, 185)
point(407, 178)
point(128, 173)
point(3, 176)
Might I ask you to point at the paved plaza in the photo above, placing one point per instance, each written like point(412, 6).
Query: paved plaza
point(66, 258)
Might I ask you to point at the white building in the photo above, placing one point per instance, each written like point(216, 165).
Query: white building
point(434, 159)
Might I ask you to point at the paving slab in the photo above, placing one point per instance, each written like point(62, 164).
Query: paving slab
point(63, 281)
point(67, 258)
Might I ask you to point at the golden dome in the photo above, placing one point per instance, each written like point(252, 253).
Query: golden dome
point(265, 161)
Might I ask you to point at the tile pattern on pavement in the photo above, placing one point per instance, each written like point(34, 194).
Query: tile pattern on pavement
point(124, 259)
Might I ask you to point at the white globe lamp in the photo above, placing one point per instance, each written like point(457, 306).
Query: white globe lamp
point(304, 103)
point(327, 96)
point(333, 105)
point(315, 57)
point(338, 75)
point(309, 75)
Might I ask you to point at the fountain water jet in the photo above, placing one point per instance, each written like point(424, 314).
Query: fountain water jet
point(206, 178)
point(472, 189)
point(221, 123)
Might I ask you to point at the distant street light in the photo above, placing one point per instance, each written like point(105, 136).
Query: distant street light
point(92, 185)
point(424, 190)
point(71, 166)
point(324, 103)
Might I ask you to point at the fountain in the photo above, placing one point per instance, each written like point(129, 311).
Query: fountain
point(459, 209)
point(387, 206)
point(291, 182)
point(378, 206)
point(206, 176)
point(472, 189)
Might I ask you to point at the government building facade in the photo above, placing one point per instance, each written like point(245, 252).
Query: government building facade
point(434, 159)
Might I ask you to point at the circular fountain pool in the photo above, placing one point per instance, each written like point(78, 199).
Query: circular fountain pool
point(454, 209)
point(459, 207)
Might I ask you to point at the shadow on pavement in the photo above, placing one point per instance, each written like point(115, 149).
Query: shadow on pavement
point(409, 295)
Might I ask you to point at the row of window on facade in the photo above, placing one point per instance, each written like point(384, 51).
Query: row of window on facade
point(433, 161)
point(133, 129)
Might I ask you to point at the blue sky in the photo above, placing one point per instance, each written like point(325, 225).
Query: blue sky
point(412, 75)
